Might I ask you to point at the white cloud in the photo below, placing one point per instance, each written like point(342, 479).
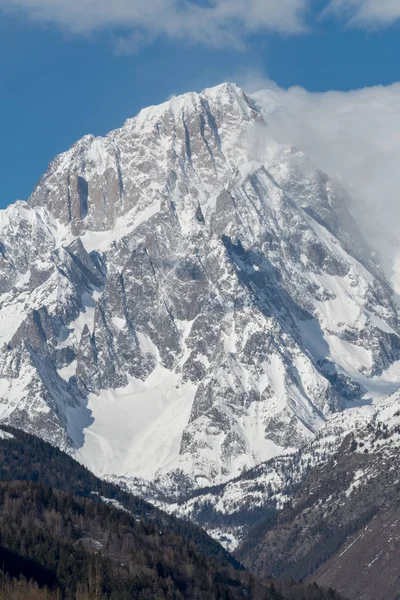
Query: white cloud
point(210, 22)
point(216, 22)
point(368, 13)
point(355, 137)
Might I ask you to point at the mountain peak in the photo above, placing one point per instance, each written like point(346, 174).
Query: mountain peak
point(223, 93)
point(95, 182)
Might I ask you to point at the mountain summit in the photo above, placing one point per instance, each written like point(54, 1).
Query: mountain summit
point(185, 298)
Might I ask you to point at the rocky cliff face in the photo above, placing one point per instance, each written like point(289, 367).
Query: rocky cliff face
point(184, 298)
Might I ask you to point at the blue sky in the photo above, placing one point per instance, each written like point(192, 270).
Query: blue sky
point(67, 68)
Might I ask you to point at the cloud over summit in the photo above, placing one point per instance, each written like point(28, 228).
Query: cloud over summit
point(354, 137)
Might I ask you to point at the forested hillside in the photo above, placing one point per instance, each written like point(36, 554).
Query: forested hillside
point(92, 541)
point(26, 457)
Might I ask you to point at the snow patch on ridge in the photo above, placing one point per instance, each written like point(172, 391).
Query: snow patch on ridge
point(101, 240)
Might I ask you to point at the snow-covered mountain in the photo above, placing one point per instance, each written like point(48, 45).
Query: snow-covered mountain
point(185, 298)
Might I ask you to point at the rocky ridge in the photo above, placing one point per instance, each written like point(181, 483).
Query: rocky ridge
point(341, 526)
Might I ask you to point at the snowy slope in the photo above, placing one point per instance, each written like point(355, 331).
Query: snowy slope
point(229, 511)
point(185, 298)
